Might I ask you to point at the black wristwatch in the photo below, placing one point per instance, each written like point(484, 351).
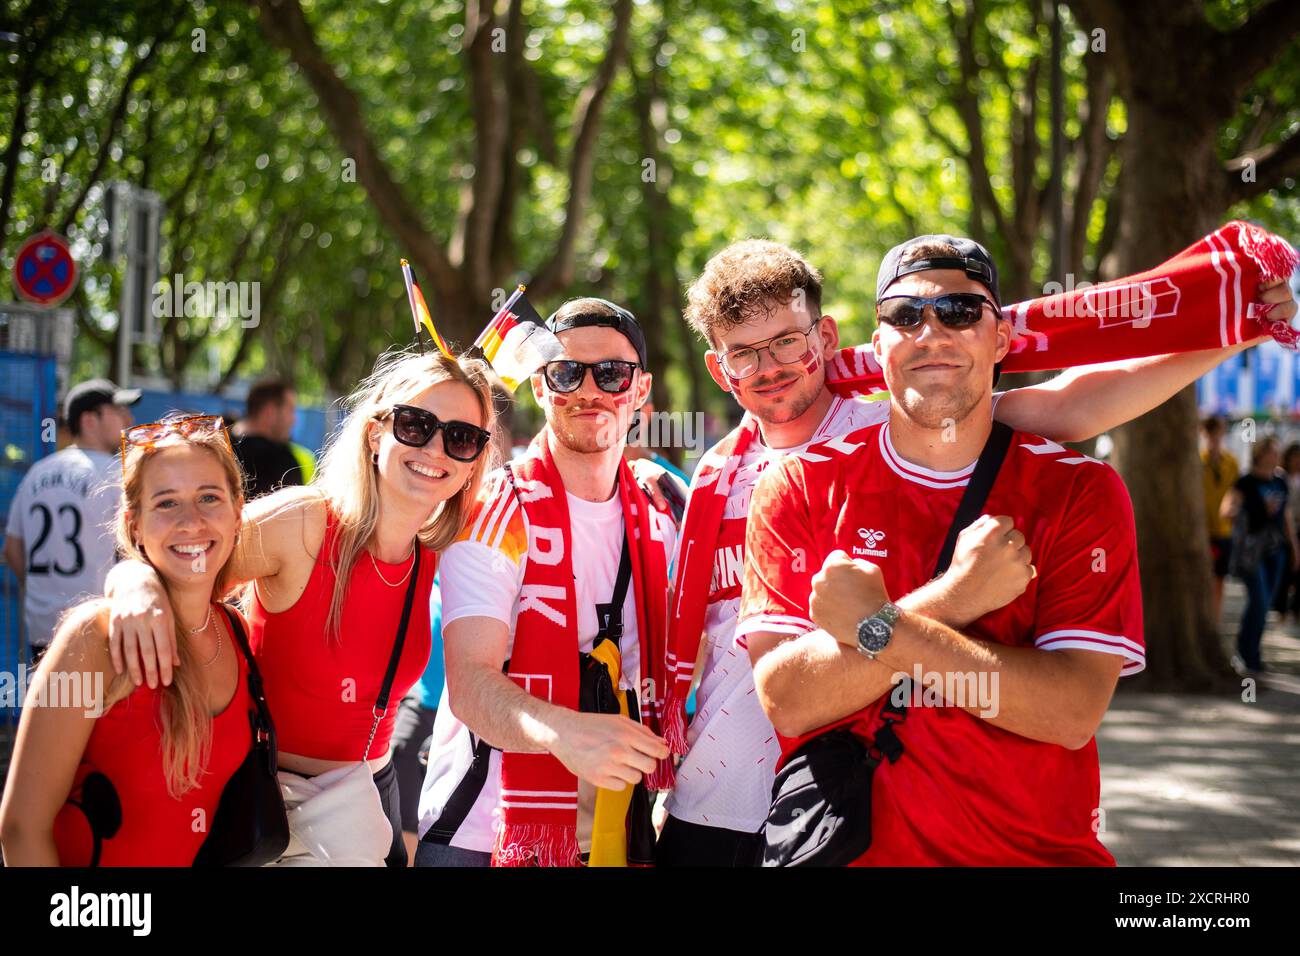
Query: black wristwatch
point(876, 631)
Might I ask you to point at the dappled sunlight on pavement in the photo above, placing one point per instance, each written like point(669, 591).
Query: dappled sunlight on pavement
point(1190, 779)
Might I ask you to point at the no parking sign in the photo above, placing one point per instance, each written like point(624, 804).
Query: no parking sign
point(44, 270)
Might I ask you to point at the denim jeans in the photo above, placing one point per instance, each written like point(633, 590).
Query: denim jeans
point(438, 854)
point(1261, 586)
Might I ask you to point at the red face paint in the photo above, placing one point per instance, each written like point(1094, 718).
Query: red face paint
point(621, 400)
point(811, 361)
point(558, 401)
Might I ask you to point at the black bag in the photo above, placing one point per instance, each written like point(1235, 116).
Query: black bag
point(821, 799)
point(250, 827)
point(102, 808)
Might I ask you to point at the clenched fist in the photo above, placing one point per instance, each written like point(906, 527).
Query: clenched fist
point(991, 567)
point(845, 591)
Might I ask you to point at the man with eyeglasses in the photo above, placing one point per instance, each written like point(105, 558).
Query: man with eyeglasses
point(492, 793)
point(757, 305)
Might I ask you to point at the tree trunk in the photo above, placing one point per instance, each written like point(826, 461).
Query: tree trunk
point(1171, 196)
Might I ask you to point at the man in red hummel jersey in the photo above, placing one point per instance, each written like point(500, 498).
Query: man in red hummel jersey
point(999, 764)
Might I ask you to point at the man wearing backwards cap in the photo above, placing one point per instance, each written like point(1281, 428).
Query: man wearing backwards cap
point(64, 507)
point(515, 766)
point(757, 305)
point(998, 767)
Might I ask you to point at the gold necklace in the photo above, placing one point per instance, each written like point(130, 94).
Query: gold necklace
point(217, 652)
point(393, 584)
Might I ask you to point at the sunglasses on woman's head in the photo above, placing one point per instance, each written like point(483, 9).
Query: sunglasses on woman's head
point(956, 310)
point(416, 427)
point(613, 376)
point(191, 426)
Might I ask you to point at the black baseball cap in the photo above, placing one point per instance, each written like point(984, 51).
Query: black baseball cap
point(88, 396)
point(972, 258)
point(616, 317)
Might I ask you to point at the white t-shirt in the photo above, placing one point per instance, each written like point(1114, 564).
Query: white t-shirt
point(725, 779)
point(64, 511)
point(481, 576)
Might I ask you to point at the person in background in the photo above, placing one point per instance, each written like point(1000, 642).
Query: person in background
point(413, 732)
point(59, 539)
point(1220, 471)
point(1261, 533)
point(672, 486)
point(1287, 600)
point(261, 438)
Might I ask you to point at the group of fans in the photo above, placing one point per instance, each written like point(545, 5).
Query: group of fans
point(829, 545)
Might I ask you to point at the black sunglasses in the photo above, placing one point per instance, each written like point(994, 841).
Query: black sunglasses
point(613, 376)
point(956, 310)
point(416, 427)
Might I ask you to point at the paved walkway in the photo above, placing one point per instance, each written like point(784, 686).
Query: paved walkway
point(1195, 780)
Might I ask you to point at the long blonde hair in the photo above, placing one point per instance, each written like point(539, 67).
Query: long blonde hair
point(186, 720)
point(348, 478)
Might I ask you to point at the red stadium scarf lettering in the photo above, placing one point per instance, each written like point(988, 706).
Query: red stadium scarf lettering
point(1202, 298)
point(701, 526)
point(539, 796)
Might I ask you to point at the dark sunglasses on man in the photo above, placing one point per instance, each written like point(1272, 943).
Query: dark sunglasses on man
point(613, 376)
point(956, 310)
point(416, 427)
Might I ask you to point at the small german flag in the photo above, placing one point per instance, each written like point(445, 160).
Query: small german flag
point(420, 310)
point(516, 343)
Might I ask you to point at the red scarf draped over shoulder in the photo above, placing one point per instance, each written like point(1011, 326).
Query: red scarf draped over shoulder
point(539, 796)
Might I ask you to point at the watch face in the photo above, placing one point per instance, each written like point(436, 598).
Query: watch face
point(874, 634)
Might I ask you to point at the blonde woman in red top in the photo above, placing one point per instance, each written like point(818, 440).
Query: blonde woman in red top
point(330, 566)
point(146, 764)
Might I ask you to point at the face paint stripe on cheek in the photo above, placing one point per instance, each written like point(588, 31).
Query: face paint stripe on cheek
point(559, 401)
point(620, 400)
point(811, 361)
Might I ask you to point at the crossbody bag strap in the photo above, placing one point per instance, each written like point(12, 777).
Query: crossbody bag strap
point(995, 449)
point(609, 617)
point(381, 703)
point(263, 725)
point(466, 793)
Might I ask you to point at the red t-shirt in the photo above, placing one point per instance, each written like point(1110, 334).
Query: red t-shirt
point(965, 792)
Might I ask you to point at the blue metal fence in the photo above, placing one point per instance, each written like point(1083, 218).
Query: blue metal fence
point(28, 410)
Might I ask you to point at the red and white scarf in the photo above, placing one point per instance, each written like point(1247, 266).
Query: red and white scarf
point(706, 504)
point(539, 796)
point(1202, 298)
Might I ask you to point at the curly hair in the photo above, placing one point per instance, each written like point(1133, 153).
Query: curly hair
point(747, 279)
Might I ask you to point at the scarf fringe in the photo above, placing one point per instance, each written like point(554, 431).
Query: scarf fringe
point(536, 844)
point(672, 727)
point(1275, 256)
point(664, 776)
point(1276, 259)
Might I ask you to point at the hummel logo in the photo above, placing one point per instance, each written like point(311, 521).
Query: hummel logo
point(872, 538)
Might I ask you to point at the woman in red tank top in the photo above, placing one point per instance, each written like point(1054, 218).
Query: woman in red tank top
point(128, 776)
point(329, 566)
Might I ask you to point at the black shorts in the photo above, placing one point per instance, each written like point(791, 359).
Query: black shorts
point(693, 844)
point(390, 799)
point(1220, 553)
point(413, 726)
